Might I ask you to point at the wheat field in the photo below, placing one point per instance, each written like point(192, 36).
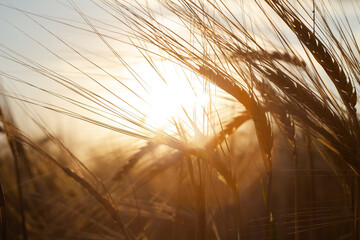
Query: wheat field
point(180, 119)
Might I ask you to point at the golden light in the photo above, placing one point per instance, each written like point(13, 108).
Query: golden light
point(164, 97)
point(174, 94)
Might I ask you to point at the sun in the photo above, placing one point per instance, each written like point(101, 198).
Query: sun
point(162, 97)
point(174, 95)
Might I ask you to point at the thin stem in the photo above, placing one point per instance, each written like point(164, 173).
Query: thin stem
point(3, 213)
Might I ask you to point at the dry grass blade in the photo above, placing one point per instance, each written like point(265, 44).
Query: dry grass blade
point(13, 146)
point(3, 213)
point(262, 125)
point(312, 179)
point(134, 160)
point(284, 121)
point(226, 131)
point(261, 122)
point(114, 213)
point(252, 55)
point(286, 124)
point(16, 135)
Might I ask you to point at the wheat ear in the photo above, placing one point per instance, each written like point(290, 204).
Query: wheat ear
point(322, 55)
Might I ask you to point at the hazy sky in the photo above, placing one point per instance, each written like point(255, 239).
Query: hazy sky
point(87, 43)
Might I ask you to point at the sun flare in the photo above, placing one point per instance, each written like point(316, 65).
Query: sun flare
point(174, 94)
point(167, 97)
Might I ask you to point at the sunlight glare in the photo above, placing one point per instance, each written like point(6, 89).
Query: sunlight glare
point(177, 95)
